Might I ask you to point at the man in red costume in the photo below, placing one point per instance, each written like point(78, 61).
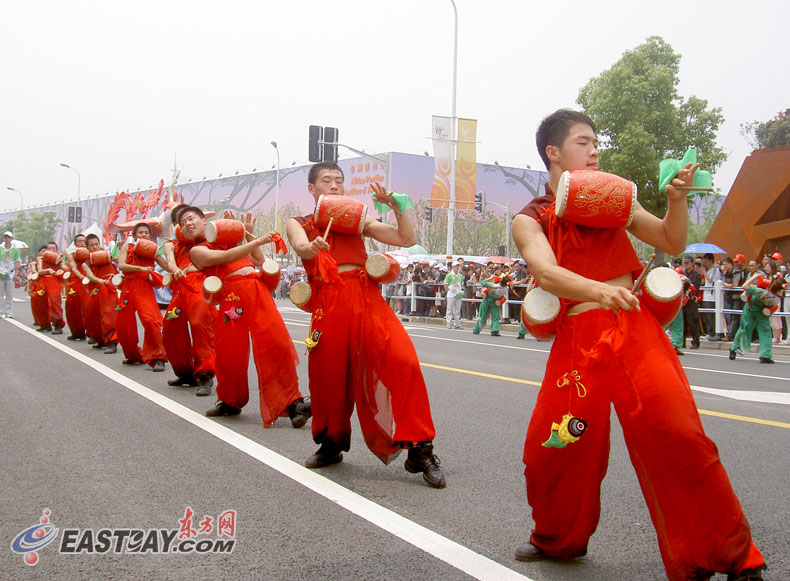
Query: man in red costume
point(137, 296)
point(360, 353)
point(608, 350)
point(38, 300)
point(76, 295)
point(49, 279)
point(188, 328)
point(100, 313)
point(246, 311)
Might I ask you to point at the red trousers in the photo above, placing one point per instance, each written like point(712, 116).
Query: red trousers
point(247, 311)
point(365, 357)
point(39, 304)
point(76, 297)
point(188, 312)
point(100, 313)
point(137, 296)
point(53, 290)
point(600, 358)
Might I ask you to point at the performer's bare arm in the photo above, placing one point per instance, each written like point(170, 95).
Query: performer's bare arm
point(536, 251)
point(298, 240)
point(40, 267)
point(73, 265)
point(670, 233)
point(124, 266)
point(93, 277)
point(203, 256)
point(172, 266)
point(402, 235)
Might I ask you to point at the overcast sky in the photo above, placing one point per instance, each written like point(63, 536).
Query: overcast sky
point(118, 90)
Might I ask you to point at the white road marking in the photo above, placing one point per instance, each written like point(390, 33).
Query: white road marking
point(452, 553)
point(753, 396)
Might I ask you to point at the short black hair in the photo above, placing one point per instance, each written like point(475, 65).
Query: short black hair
point(175, 212)
point(77, 236)
point(555, 128)
point(316, 169)
point(728, 260)
point(42, 248)
point(193, 209)
point(52, 242)
point(91, 237)
point(707, 256)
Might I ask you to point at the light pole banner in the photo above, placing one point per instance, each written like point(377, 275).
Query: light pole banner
point(443, 153)
point(466, 165)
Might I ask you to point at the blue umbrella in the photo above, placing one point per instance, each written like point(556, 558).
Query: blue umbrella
point(703, 248)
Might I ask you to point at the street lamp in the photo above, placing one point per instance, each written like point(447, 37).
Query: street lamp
point(21, 199)
point(78, 180)
point(277, 187)
point(451, 208)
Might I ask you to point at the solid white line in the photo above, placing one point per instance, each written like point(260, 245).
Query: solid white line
point(753, 396)
point(452, 553)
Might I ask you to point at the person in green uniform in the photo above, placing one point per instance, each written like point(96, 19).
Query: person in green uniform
point(761, 298)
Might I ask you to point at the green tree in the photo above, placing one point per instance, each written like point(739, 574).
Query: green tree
point(34, 228)
point(641, 119)
point(772, 133)
point(474, 234)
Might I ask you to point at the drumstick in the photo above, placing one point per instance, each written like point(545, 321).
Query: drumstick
point(642, 276)
point(530, 283)
point(328, 226)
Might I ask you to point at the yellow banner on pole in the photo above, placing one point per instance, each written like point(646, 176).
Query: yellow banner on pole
point(442, 153)
point(466, 165)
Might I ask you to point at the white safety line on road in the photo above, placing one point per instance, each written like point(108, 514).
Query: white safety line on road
point(452, 553)
point(741, 395)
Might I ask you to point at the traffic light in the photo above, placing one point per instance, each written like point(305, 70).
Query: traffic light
point(71, 213)
point(78, 214)
point(479, 202)
point(331, 135)
point(429, 215)
point(315, 149)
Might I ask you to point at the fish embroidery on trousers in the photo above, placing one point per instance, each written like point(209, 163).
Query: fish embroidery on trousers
point(173, 314)
point(568, 431)
point(233, 313)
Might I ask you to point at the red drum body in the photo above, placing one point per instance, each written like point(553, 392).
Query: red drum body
point(382, 268)
point(662, 294)
point(270, 274)
point(211, 287)
point(225, 233)
point(595, 199)
point(145, 248)
point(50, 257)
point(100, 257)
point(81, 255)
point(347, 214)
point(541, 312)
point(301, 295)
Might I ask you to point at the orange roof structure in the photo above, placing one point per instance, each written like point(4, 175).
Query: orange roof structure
point(755, 217)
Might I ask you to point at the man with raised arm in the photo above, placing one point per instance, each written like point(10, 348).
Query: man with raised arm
point(360, 354)
point(609, 351)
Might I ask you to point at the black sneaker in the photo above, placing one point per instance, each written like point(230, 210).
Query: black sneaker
point(521, 336)
point(158, 365)
point(223, 409)
point(326, 455)
point(72, 338)
point(111, 348)
point(187, 380)
point(495, 334)
point(44, 329)
point(300, 411)
point(422, 459)
point(678, 351)
point(205, 381)
point(529, 553)
point(755, 574)
point(694, 346)
point(766, 360)
point(130, 362)
point(91, 341)
point(732, 355)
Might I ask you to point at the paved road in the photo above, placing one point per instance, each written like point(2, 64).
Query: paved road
point(104, 446)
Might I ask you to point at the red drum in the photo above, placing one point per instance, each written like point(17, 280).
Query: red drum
point(270, 274)
point(81, 255)
point(167, 278)
point(540, 313)
point(145, 248)
point(302, 295)
point(50, 257)
point(117, 279)
point(347, 214)
point(382, 268)
point(225, 233)
point(100, 257)
point(211, 287)
point(662, 294)
point(595, 199)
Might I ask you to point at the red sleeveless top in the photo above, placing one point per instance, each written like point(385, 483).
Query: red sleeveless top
point(599, 254)
point(344, 248)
